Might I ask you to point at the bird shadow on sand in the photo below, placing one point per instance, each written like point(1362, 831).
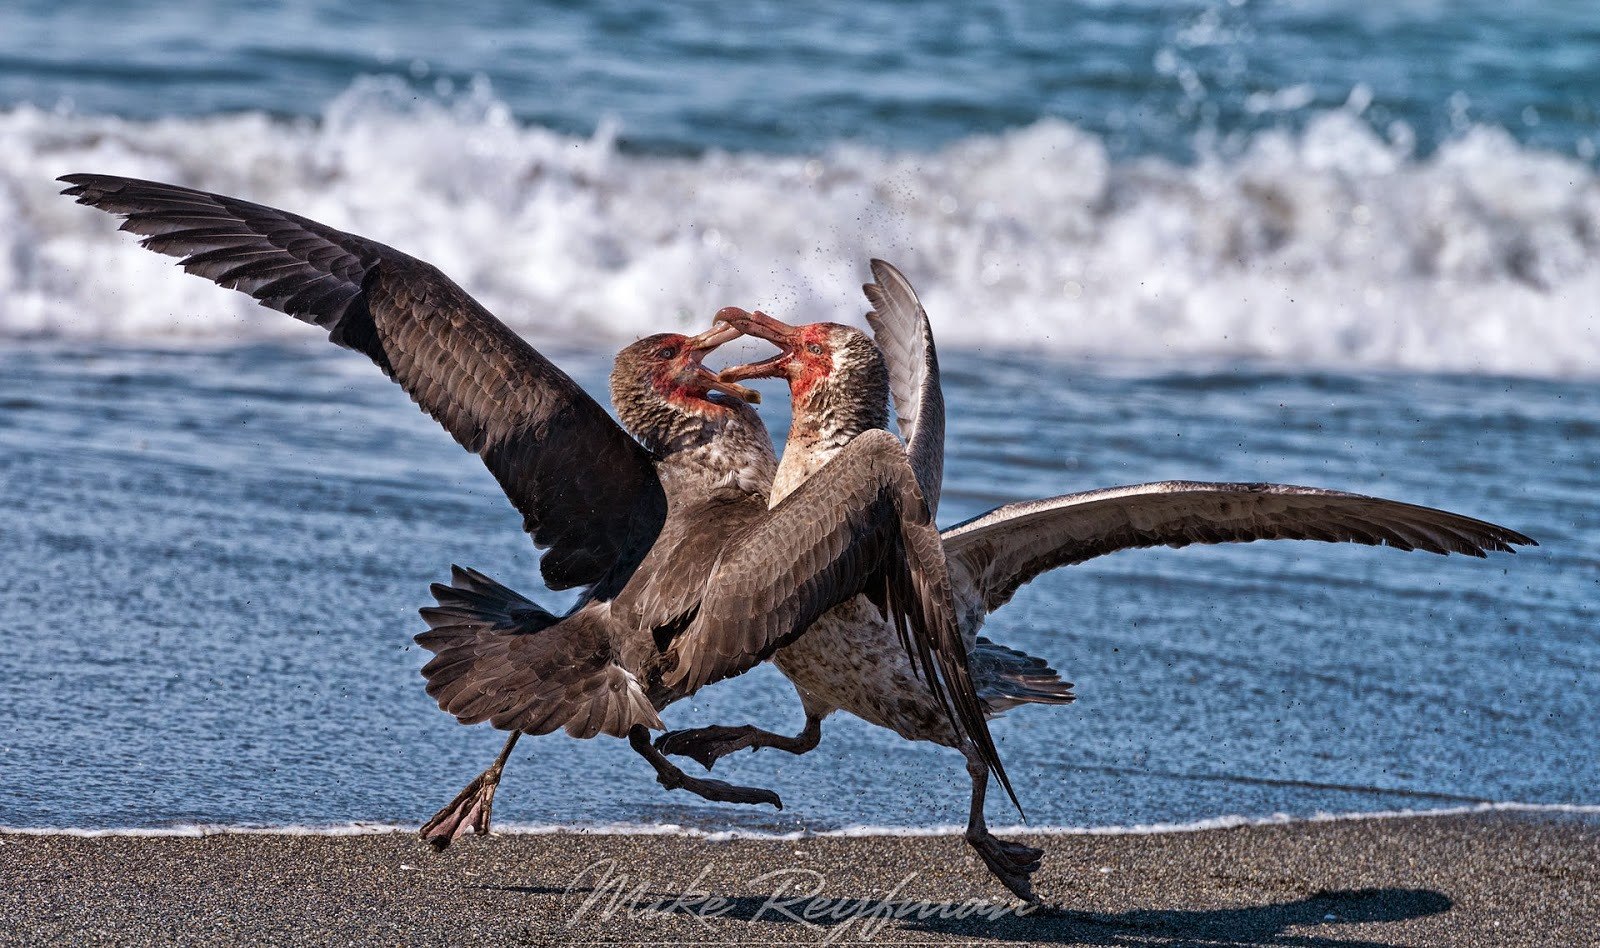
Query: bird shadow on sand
point(1316, 919)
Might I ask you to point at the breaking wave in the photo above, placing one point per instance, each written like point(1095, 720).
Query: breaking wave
point(1332, 246)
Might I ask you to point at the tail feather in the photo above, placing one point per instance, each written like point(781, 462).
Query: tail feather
point(1006, 677)
point(489, 665)
point(474, 599)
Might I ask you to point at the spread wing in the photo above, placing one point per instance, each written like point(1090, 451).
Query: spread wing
point(858, 525)
point(586, 491)
point(1008, 546)
point(666, 591)
point(901, 329)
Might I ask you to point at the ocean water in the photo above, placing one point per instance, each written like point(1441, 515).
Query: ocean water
point(1352, 248)
point(214, 556)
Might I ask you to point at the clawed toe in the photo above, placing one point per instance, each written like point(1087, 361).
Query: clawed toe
point(1012, 863)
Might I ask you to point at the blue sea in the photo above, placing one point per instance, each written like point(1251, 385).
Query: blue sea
point(1345, 245)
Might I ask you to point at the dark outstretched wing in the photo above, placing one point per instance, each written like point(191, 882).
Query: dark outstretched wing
point(1008, 546)
point(857, 525)
point(900, 328)
point(586, 490)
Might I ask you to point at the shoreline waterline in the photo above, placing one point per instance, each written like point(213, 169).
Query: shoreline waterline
point(1229, 821)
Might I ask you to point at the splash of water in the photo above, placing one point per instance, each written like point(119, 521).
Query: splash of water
point(1334, 245)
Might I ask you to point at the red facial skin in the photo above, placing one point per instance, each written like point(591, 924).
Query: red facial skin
point(806, 357)
point(682, 380)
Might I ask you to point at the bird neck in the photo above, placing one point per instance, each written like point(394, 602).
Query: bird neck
point(826, 418)
point(732, 450)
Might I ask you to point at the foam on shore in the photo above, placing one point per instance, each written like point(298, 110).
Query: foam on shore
point(195, 830)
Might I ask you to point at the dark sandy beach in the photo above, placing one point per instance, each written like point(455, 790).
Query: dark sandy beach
point(1490, 879)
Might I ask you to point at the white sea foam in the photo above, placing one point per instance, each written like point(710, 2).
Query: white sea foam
point(1333, 246)
point(672, 829)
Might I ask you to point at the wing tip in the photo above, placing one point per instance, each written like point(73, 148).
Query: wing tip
point(1501, 540)
point(883, 270)
point(81, 183)
point(77, 187)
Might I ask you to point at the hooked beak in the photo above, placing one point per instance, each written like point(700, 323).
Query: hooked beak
point(762, 326)
point(720, 332)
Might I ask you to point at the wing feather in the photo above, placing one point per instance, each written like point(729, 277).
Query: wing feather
point(1005, 548)
point(587, 492)
point(901, 329)
point(857, 525)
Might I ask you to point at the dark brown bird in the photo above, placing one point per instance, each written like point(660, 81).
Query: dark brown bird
point(850, 659)
point(689, 576)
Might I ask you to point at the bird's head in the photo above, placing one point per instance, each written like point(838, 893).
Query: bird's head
point(661, 389)
point(830, 368)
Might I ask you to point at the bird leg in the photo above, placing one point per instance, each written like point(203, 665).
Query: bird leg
point(1011, 863)
point(674, 779)
point(472, 807)
point(708, 744)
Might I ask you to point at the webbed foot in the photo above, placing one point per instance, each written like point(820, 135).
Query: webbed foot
point(673, 778)
point(473, 806)
point(470, 811)
point(1012, 863)
point(707, 745)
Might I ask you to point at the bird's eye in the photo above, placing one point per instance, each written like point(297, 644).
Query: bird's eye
point(814, 348)
point(667, 352)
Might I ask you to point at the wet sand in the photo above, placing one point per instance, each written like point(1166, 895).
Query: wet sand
point(1486, 879)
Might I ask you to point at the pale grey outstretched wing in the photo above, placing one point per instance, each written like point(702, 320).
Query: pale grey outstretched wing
point(900, 328)
point(1001, 550)
point(586, 491)
point(856, 526)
